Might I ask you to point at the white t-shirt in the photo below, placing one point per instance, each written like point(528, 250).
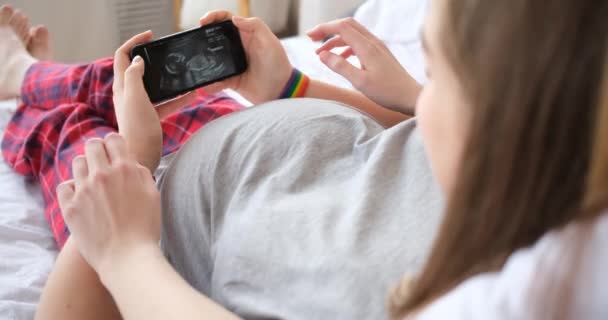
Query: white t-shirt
point(507, 294)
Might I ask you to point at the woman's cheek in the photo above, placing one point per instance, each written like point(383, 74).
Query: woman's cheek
point(423, 111)
point(430, 118)
point(424, 118)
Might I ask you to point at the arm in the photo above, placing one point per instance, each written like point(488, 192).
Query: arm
point(145, 286)
point(73, 291)
point(321, 90)
point(385, 89)
point(381, 84)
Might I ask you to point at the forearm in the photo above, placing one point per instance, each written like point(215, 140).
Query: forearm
point(147, 157)
point(145, 286)
point(73, 291)
point(321, 90)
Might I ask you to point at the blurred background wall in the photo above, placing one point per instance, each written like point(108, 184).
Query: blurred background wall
point(83, 30)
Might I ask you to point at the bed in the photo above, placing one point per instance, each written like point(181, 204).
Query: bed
point(27, 248)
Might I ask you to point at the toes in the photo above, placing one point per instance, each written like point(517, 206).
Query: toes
point(24, 30)
point(39, 34)
point(39, 45)
point(20, 24)
point(43, 32)
point(6, 12)
point(16, 19)
point(34, 31)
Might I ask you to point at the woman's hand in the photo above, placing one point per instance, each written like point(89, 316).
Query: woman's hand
point(269, 68)
point(381, 77)
point(112, 206)
point(138, 120)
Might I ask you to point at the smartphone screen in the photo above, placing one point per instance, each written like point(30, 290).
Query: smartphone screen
point(182, 62)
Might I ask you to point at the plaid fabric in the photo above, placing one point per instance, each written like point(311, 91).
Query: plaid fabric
point(65, 105)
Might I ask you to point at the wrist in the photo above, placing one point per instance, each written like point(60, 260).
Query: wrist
point(121, 262)
point(148, 154)
point(150, 160)
point(409, 100)
point(296, 86)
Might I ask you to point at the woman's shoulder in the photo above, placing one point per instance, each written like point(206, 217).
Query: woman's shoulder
point(564, 269)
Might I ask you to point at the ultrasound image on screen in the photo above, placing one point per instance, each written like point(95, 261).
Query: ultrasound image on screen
point(198, 58)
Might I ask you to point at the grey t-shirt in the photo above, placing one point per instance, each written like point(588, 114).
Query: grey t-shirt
point(299, 209)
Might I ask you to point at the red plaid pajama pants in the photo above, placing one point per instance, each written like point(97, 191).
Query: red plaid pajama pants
point(65, 105)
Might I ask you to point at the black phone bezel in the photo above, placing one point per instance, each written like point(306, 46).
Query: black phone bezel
point(238, 55)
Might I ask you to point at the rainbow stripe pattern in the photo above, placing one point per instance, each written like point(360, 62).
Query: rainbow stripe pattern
point(296, 86)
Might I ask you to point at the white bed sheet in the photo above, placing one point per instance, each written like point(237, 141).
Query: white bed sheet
point(27, 248)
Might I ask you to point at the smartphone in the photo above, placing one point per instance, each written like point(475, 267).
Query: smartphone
point(191, 59)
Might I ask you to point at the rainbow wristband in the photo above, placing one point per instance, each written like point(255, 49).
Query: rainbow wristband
point(296, 86)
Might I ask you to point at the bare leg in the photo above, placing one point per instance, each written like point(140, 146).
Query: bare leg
point(73, 290)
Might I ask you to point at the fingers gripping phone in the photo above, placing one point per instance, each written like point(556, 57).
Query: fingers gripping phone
point(188, 60)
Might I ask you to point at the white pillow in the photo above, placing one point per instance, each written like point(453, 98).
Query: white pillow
point(314, 12)
point(394, 21)
point(274, 13)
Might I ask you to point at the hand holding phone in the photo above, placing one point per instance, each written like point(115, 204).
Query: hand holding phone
point(268, 65)
point(188, 60)
point(137, 118)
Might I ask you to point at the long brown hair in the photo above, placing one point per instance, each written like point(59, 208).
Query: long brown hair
point(553, 292)
point(596, 198)
point(531, 70)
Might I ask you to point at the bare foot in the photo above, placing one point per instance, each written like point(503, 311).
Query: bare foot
point(14, 58)
point(40, 43)
point(36, 39)
point(20, 24)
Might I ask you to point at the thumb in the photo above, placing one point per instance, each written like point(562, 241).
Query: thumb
point(134, 83)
